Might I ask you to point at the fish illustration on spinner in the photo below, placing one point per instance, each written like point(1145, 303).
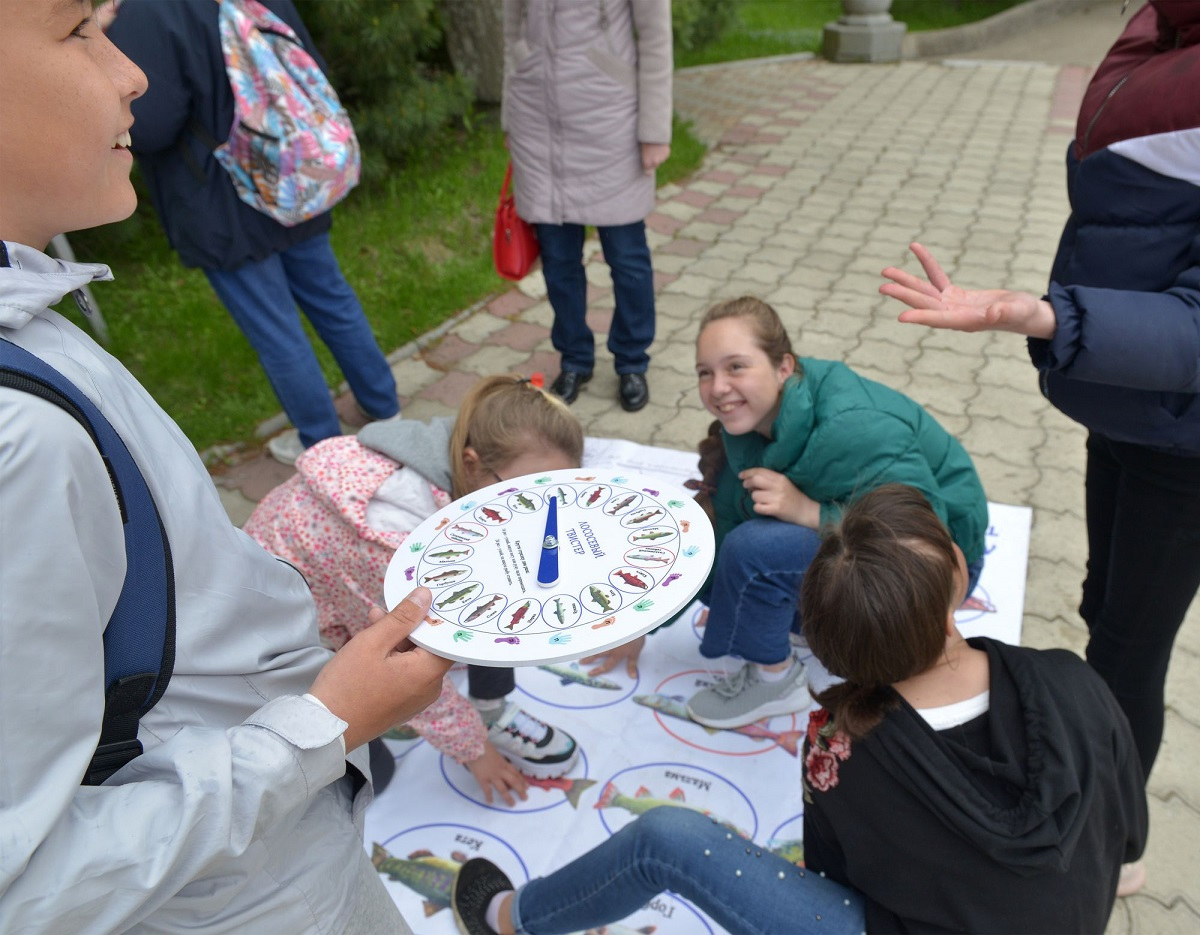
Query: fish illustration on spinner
point(630, 579)
point(456, 596)
point(646, 557)
point(599, 599)
point(621, 504)
point(484, 607)
point(520, 613)
point(447, 575)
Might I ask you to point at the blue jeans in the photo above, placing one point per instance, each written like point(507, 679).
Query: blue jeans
point(262, 298)
point(742, 887)
point(628, 256)
point(754, 601)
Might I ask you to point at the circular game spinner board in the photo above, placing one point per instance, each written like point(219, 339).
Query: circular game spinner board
point(631, 553)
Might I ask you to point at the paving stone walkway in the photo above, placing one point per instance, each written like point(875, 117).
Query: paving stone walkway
point(819, 176)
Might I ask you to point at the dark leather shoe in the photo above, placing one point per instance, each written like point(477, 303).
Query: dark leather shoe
point(567, 385)
point(635, 392)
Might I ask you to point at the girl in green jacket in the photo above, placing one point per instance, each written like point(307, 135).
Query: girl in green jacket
point(795, 441)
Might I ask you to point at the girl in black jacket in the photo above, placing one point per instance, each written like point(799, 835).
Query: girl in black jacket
point(951, 785)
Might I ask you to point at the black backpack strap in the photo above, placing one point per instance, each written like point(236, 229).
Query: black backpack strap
point(139, 639)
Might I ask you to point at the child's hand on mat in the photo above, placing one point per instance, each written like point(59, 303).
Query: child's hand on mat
point(775, 495)
point(379, 678)
point(627, 652)
point(493, 772)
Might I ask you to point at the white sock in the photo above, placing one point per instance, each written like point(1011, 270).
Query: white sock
point(768, 675)
point(492, 917)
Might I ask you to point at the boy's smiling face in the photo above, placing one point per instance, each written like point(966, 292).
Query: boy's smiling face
point(64, 121)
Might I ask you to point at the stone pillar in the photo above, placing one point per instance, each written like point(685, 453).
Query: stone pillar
point(865, 32)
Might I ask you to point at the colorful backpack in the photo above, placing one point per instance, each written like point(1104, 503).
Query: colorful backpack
point(292, 152)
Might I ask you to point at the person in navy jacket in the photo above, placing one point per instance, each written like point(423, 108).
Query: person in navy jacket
point(260, 269)
point(1116, 341)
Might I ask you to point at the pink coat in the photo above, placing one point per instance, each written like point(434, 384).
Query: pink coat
point(317, 522)
point(585, 82)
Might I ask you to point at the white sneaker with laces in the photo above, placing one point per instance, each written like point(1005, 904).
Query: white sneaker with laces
point(532, 746)
point(286, 447)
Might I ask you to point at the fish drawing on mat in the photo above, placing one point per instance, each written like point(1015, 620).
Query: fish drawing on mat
point(427, 875)
point(573, 675)
point(675, 706)
point(617, 928)
point(978, 603)
point(790, 849)
point(571, 788)
point(401, 732)
point(643, 801)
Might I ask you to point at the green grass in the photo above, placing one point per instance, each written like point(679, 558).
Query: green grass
point(417, 249)
point(782, 27)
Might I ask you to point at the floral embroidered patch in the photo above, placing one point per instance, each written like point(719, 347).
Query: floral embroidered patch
point(827, 747)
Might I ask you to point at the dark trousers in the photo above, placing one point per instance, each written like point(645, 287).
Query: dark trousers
point(632, 328)
point(1143, 570)
point(490, 682)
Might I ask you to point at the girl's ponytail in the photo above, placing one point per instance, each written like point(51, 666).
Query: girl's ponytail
point(856, 709)
point(712, 462)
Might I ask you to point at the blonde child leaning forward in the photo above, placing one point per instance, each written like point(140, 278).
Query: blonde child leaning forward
point(354, 501)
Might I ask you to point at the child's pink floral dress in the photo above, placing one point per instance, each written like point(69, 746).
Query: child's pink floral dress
point(317, 522)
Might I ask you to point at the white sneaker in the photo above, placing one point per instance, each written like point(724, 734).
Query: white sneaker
point(532, 746)
point(286, 447)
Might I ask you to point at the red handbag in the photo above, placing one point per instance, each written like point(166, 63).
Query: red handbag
point(514, 244)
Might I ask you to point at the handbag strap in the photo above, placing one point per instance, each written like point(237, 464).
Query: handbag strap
point(507, 180)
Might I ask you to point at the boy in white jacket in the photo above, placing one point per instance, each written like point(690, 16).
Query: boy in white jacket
point(245, 811)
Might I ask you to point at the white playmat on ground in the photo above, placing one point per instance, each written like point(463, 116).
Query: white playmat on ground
point(638, 751)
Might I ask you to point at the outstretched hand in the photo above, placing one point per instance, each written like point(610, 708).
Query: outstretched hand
point(938, 303)
point(379, 678)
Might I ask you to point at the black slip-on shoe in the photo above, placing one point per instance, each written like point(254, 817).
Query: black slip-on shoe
point(567, 384)
point(475, 885)
point(634, 392)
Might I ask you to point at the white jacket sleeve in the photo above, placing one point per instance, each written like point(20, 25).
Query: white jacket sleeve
point(100, 859)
